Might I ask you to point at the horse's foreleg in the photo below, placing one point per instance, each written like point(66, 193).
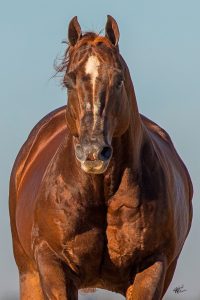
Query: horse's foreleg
point(30, 287)
point(148, 284)
point(54, 282)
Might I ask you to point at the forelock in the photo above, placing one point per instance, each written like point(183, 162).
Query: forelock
point(90, 43)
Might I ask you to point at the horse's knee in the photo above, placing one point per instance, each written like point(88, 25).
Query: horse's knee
point(148, 284)
point(30, 287)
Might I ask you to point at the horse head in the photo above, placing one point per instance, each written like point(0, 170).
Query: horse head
point(98, 105)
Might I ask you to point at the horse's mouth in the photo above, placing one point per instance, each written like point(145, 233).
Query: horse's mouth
point(95, 166)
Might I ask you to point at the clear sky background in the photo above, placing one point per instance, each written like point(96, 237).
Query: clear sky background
point(160, 41)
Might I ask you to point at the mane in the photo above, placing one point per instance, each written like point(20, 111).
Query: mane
point(89, 40)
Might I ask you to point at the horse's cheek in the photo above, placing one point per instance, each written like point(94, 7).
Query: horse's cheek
point(123, 121)
point(71, 123)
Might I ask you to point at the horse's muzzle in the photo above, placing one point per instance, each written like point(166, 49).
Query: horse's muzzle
point(93, 158)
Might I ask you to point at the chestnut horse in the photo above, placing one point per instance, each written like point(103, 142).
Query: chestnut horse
point(98, 194)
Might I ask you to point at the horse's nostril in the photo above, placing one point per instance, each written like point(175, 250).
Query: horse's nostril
point(79, 152)
point(106, 153)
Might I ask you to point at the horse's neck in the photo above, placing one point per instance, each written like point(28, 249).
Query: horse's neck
point(133, 148)
point(135, 134)
point(127, 149)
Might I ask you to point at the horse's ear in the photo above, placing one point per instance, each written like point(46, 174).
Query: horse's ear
point(74, 31)
point(112, 30)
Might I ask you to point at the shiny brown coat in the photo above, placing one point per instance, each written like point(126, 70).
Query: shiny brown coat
point(120, 230)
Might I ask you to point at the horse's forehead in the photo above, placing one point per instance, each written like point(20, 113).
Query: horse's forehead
point(93, 55)
point(92, 65)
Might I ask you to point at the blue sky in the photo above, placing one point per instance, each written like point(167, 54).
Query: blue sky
point(160, 43)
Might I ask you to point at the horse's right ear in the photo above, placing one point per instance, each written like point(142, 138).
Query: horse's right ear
point(74, 31)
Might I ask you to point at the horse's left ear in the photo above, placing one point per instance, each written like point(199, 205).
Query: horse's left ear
point(74, 31)
point(112, 30)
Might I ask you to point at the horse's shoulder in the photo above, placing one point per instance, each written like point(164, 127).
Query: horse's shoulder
point(164, 143)
point(156, 129)
point(44, 137)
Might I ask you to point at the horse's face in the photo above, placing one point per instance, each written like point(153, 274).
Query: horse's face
point(98, 107)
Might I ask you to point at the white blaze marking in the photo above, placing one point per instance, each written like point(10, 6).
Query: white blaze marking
point(96, 108)
point(88, 106)
point(91, 68)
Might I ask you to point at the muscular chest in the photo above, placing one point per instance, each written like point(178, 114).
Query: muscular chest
point(84, 228)
point(134, 228)
point(75, 229)
point(123, 228)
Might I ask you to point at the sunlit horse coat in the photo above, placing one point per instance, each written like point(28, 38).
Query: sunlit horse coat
point(98, 194)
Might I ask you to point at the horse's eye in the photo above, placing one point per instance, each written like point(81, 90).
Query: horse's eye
point(119, 83)
point(69, 80)
point(68, 84)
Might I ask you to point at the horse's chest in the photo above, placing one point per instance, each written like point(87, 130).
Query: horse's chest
point(123, 233)
point(77, 234)
point(130, 232)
